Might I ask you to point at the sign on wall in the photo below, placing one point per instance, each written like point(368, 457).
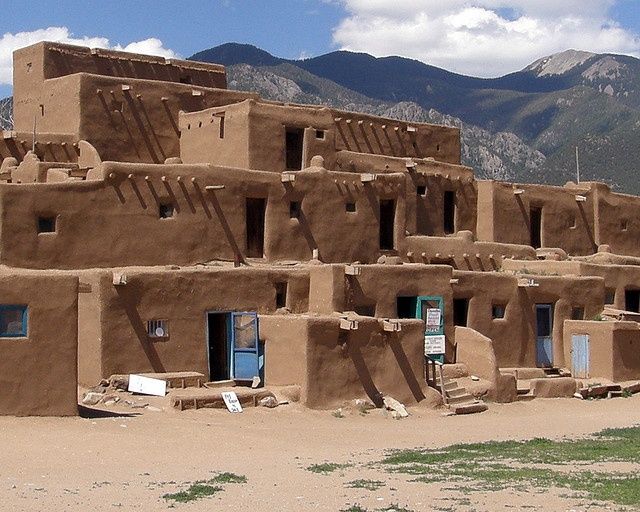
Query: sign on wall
point(434, 345)
point(432, 322)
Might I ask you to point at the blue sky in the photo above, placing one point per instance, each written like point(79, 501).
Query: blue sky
point(478, 37)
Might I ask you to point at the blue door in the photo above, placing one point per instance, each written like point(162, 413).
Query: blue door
point(431, 310)
point(580, 356)
point(544, 330)
point(246, 344)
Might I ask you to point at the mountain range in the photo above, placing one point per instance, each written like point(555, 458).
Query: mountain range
point(523, 126)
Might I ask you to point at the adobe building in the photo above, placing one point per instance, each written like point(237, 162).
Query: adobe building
point(161, 223)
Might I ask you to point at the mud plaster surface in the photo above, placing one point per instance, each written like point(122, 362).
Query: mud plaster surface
point(128, 463)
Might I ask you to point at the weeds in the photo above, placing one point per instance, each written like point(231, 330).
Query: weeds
point(369, 485)
point(325, 468)
point(205, 488)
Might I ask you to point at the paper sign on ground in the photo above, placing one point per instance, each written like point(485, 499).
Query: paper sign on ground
point(434, 345)
point(147, 385)
point(231, 401)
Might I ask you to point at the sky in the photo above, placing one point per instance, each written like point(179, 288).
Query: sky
point(475, 37)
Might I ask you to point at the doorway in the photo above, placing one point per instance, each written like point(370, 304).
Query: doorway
point(460, 312)
point(535, 227)
point(544, 330)
point(387, 218)
point(294, 142)
point(255, 213)
point(632, 300)
point(580, 356)
point(449, 212)
point(218, 343)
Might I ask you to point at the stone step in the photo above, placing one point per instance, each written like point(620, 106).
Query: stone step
point(525, 397)
point(466, 397)
point(456, 392)
point(470, 408)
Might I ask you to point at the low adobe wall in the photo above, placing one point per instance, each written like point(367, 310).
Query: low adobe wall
point(38, 371)
point(614, 348)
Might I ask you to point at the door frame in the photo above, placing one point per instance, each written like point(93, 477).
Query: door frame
point(587, 356)
point(550, 308)
point(420, 299)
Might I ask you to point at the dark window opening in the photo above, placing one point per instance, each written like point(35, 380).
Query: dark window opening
point(460, 312)
point(185, 79)
point(320, 134)
point(295, 209)
point(222, 127)
point(632, 300)
point(255, 213)
point(577, 313)
point(294, 144)
point(46, 224)
point(13, 321)
point(421, 190)
point(438, 148)
point(166, 211)
point(535, 227)
point(610, 296)
point(406, 307)
point(217, 326)
point(624, 224)
point(281, 295)
point(449, 211)
point(350, 207)
point(387, 218)
point(498, 311)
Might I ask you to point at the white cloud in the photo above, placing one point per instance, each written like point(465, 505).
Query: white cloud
point(10, 42)
point(481, 37)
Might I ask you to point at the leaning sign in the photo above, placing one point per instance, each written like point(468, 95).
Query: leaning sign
point(231, 401)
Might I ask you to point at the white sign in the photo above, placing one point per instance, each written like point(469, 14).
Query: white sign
point(434, 345)
point(231, 401)
point(433, 317)
point(147, 385)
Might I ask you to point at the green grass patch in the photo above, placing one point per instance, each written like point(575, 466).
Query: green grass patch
point(498, 465)
point(194, 492)
point(228, 478)
point(369, 485)
point(326, 467)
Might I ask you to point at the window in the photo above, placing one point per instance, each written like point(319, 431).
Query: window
point(13, 321)
point(166, 211)
point(610, 296)
point(46, 224)
point(498, 311)
point(350, 207)
point(421, 190)
point(222, 127)
point(320, 134)
point(624, 224)
point(535, 227)
point(294, 209)
point(281, 295)
point(449, 212)
point(158, 328)
point(577, 313)
point(294, 142)
point(573, 224)
point(460, 312)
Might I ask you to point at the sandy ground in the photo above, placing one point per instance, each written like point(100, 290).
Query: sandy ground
point(128, 462)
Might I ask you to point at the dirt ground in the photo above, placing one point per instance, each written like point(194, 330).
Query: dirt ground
point(129, 461)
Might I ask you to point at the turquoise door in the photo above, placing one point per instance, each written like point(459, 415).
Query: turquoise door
point(580, 356)
point(246, 346)
point(431, 310)
point(544, 330)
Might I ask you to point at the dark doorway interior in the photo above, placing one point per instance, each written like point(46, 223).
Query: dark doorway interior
point(218, 340)
point(294, 143)
point(460, 312)
point(255, 227)
point(449, 212)
point(535, 219)
point(632, 300)
point(407, 307)
point(387, 217)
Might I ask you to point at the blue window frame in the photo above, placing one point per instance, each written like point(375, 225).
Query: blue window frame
point(13, 321)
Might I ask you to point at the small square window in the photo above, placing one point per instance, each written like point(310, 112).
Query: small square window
point(46, 224)
point(158, 328)
point(320, 134)
point(421, 190)
point(610, 296)
point(295, 208)
point(498, 311)
point(166, 211)
point(13, 321)
point(350, 207)
point(577, 313)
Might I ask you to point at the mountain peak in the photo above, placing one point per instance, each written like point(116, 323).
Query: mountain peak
point(559, 63)
point(237, 53)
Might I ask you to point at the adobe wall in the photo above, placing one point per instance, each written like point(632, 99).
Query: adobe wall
point(514, 336)
point(504, 216)
point(43, 61)
point(117, 221)
point(50, 147)
point(364, 133)
point(618, 223)
point(182, 297)
point(343, 365)
point(614, 348)
point(89, 328)
point(38, 372)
